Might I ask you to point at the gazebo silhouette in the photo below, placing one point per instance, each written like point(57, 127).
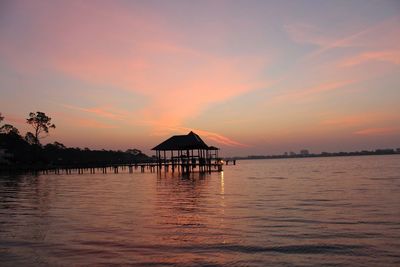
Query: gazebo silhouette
point(186, 153)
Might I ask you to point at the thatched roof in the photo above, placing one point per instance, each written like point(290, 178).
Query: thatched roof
point(182, 142)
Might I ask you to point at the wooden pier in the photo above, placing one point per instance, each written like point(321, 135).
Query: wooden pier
point(153, 167)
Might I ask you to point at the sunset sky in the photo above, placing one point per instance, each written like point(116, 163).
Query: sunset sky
point(251, 77)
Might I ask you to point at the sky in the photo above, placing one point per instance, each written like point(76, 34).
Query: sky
point(251, 77)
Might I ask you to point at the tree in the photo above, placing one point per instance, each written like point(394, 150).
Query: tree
point(1, 117)
point(56, 146)
point(8, 128)
point(59, 145)
point(134, 151)
point(30, 138)
point(41, 123)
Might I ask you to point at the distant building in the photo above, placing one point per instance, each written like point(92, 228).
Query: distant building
point(398, 150)
point(304, 152)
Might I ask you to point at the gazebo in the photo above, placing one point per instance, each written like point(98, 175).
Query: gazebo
point(186, 152)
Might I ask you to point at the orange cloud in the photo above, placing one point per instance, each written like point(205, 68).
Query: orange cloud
point(178, 88)
point(377, 131)
point(218, 138)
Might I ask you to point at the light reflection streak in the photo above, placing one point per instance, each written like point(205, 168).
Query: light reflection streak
point(222, 185)
point(222, 203)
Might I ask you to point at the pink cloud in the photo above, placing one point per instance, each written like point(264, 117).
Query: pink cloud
point(101, 112)
point(357, 119)
point(390, 56)
point(86, 123)
point(14, 119)
point(312, 91)
point(140, 53)
point(365, 118)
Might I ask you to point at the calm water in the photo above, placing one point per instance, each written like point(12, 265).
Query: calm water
point(286, 212)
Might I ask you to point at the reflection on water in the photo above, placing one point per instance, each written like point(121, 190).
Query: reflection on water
point(337, 211)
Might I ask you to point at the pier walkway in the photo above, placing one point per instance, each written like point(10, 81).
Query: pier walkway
point(131, 168)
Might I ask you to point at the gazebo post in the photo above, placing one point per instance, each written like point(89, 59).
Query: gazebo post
point(210, 161)
point(192, 166)
point(172, 161)
point(158, 160)
point(199, 154)
point(179, 161)
point(187, 162)
point(201, 160)
point(165, 161)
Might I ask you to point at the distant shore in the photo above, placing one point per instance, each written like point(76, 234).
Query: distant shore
point(377, 152)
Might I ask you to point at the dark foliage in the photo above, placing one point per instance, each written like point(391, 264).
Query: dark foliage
point(8, 128)
point(20, 152)
point(23, 154)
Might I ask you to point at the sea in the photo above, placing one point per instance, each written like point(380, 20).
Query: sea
point(339, 211)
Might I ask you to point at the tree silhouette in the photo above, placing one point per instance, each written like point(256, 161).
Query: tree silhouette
point(1, 117)
point(41, 123)
point(8, 128)
point(134, 151)
point(30, 138)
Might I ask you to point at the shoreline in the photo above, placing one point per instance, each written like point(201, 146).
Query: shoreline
point(328, 155)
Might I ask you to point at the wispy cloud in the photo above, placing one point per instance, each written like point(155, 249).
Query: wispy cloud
point(384, 34)
point(362, 119)
point(305, 33)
